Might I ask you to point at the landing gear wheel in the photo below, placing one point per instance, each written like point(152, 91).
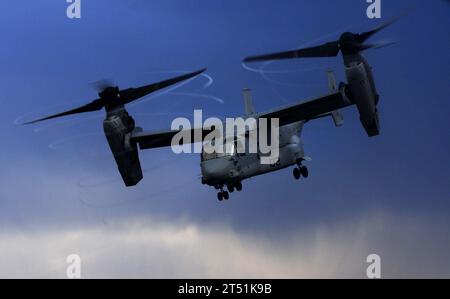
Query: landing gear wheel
point(239, 186)
point(304, 171)
point(297, 173)
point(220, 196)
point(226, 196)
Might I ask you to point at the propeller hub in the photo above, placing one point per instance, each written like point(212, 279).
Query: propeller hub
point(111, 97)
point(109, 93)
point(349, 44)
point(347, 37)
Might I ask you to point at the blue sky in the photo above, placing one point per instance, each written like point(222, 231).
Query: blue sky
point(60, 174)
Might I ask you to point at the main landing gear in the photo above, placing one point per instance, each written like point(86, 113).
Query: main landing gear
point(225, 195)
point(300, 171)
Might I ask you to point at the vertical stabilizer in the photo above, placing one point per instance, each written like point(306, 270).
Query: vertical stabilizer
point(331, 81)
point(249, 109)
point(338, 118)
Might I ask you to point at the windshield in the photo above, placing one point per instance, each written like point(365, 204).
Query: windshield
point(210, 156)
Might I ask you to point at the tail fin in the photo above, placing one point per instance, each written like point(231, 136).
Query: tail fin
point(338, 118)
point(249, 109)
point(332, 81)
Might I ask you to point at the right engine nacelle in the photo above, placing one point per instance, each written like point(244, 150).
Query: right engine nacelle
point(118, 131)
point(360, 91)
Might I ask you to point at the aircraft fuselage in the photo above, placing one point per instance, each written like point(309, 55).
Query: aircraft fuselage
point(231, 169)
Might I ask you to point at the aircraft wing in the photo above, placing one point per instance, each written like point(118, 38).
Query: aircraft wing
point(304, 111)
point(156, 139)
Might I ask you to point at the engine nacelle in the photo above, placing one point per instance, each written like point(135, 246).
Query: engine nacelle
point(361, 92)
point(118, 130)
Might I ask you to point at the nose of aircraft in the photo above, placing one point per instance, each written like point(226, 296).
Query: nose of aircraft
point(217, 169)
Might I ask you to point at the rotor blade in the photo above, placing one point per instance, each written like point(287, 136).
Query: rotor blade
point(93, 106)
point(366, 35)
point(131, 94)
point(330, 49)
point(376, 45)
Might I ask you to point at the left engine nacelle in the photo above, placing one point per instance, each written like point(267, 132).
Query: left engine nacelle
point(118, 130)
point(361, 92)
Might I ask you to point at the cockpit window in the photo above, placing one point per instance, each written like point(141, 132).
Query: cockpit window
point(232, 152)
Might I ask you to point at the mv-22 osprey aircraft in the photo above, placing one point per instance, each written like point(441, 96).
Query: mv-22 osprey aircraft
point(231, 168)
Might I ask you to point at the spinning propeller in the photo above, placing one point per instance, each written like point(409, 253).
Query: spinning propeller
point(349, 43)
point(111, 97)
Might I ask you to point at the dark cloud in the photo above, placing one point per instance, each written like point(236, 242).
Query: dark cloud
point(408, 247)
